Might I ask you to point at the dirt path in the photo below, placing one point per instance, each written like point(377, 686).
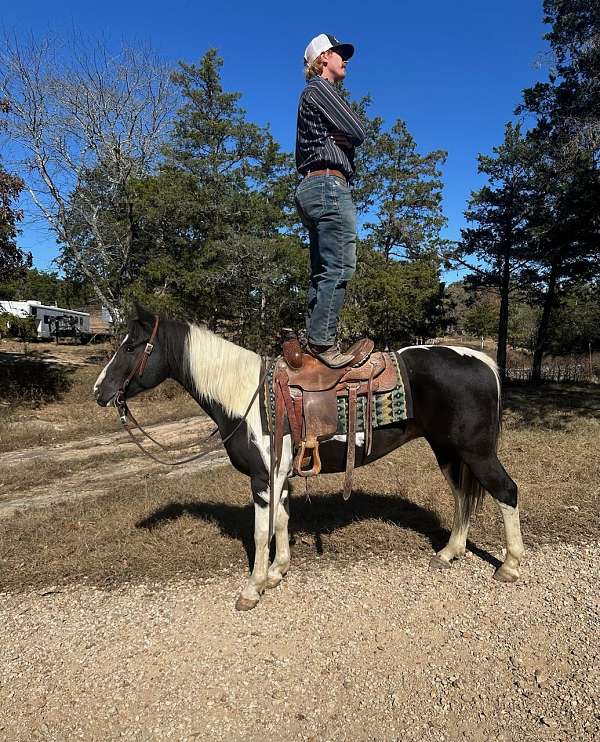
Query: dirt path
point(94, 465)
point(381, 649)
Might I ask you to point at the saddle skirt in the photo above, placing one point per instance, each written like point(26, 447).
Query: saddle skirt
point(314, 402)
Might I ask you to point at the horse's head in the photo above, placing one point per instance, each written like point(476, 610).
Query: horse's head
point(135, 364)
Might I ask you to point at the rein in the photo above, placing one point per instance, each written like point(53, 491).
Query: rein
point(122, 408)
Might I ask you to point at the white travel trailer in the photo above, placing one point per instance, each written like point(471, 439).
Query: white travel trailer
point(51, 321)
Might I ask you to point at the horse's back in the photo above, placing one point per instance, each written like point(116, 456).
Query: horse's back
point(455, 391)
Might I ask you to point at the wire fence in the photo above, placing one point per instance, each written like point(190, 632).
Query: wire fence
point(570, 371)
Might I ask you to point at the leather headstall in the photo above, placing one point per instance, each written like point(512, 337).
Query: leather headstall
point(138, 369)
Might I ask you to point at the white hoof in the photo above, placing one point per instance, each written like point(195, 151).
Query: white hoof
point(274, 578)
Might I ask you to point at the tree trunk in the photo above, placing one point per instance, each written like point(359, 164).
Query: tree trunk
point(503, 320)
point(540, 344)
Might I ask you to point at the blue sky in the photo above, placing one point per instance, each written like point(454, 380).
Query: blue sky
point(453, 71)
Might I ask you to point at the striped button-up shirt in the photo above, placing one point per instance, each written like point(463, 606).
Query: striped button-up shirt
point(321, 111)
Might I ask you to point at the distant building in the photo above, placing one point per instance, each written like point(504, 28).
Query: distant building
point(51, 321)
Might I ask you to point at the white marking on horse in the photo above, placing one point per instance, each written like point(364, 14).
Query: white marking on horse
point(509, 571)
point(225, 373)
point(360, 439)
point(102, 374)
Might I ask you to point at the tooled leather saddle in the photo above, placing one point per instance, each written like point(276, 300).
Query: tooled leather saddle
point(306, 391)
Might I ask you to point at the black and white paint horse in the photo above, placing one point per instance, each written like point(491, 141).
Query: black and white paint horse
point(456, 401)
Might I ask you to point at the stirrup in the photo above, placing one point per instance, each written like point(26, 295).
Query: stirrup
point(316, 467)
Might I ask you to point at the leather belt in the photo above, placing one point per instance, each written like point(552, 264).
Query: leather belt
point(327, 171)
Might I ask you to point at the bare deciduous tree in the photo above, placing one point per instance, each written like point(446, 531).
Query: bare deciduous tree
point(81, 115)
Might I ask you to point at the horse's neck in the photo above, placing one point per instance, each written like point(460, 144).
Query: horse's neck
point(220, 371)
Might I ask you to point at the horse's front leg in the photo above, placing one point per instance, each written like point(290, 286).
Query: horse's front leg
point(281, 563)
point(257, 583)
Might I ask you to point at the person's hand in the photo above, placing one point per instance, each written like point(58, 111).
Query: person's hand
point(342, 140)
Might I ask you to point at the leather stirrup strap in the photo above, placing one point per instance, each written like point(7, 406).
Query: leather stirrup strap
point(369, 417)
point(351, 439)
point(295, 426)
point(279, 423)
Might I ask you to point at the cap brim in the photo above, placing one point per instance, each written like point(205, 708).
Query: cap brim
point(344, 50)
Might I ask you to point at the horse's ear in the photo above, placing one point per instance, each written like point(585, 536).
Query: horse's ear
point(141, 314)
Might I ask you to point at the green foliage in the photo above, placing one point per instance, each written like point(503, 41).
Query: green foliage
point(565, 221)
point(212, 226)
point(12, 259)
point(46, 287)
point(396, 294)
point(499, 238)
point(523, 324)
point(391, 301)
point(576, 322)
point(496, 247)
point(22, 328)
point(481, 319)
point(537, 224)
point(403, 190)
point(568, 104)
point(212, 233)
point(455, 303)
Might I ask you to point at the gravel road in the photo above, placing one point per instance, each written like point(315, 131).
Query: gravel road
point(380, 649)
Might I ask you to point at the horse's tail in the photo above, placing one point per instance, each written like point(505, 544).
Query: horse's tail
point(473, 494)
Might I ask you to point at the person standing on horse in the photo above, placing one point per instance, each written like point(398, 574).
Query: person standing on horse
point(328, 132)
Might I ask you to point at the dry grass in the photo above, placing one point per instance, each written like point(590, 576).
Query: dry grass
point(157, 529)
point(45, 403)
point(17, 478)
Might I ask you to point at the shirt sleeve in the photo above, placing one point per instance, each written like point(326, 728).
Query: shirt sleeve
point(335, 109)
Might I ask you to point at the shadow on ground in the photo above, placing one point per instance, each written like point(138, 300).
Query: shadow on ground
point(320, 517)
point(551, 406)
point(26, 379)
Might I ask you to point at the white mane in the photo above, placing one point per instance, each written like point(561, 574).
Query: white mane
point(225, 373)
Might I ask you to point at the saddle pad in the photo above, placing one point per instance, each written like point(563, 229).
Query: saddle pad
point(388, 407)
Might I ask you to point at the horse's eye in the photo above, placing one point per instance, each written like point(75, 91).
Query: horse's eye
point(129, 348)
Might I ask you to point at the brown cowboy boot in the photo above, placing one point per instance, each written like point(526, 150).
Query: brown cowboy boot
point(330, 355)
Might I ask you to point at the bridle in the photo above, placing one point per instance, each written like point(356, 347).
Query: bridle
point(125, 413)
point(140, 365)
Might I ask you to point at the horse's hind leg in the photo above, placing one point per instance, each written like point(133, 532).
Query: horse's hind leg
point(456, 546)
point(494, 478)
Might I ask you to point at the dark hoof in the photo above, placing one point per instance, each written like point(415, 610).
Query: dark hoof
point(245, 604)
point(436, 562)
point(504, 574)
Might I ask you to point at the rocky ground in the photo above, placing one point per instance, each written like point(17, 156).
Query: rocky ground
point(381, 649)
point(117, 618)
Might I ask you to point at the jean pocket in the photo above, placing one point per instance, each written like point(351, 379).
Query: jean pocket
point(310, 202)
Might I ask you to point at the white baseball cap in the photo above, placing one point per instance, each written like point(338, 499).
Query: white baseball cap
point(323, 43)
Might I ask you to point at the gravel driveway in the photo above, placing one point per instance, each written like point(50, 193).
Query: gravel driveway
point(381, 649)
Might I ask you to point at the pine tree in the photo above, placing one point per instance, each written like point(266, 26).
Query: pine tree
point(497, 244)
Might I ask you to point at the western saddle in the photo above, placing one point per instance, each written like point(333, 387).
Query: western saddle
point(306, 391)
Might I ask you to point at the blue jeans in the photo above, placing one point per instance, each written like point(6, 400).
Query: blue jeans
point(326, 208)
